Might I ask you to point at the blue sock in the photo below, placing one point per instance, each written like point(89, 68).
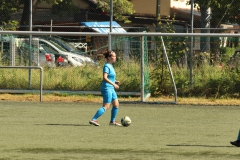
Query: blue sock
point(99, 112)
point(238, 136)
point(114, 113)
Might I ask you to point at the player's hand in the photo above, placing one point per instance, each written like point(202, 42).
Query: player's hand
point(116, 86)
point(118, 82)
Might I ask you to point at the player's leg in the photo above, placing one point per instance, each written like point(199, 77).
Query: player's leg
point(114, 110)
point(99, 113)
point(237, 142)
point(106, 104)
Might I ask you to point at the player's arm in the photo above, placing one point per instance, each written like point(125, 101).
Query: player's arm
point(105, 75)
point(117, 82)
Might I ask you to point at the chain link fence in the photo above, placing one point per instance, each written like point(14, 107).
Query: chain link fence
point(202, 66)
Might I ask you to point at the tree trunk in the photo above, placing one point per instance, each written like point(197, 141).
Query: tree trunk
point(24, 24)
point(205, 24)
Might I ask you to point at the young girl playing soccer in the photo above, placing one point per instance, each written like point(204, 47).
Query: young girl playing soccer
point(109, 84)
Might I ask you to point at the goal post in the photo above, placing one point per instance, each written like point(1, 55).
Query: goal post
point(170, 72)
point(145, 83)
point(145, 72)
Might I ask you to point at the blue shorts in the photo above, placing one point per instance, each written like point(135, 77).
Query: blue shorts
point(109, 95)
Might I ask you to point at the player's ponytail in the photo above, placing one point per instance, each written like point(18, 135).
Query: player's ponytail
point(107, 54)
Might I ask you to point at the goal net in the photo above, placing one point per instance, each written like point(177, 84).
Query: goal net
point(146, 52)
point(137, 58)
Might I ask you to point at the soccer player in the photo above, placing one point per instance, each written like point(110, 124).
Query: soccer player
point(109, 84)
point(237, 142)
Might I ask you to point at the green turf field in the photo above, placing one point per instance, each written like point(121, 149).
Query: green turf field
point(56, 131)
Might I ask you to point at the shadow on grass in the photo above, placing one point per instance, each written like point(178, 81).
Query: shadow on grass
point(51, 124)
point(195, 145)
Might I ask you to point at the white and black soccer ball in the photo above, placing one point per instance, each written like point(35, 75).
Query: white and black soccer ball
point(126, 121)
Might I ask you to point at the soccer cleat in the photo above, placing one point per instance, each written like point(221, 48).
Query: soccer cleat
point(236, 143)
point(94, 122)
point(115, 123)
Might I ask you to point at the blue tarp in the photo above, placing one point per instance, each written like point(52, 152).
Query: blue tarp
point(104, 27)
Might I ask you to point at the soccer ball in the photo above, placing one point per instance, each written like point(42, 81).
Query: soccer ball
point(125, 121)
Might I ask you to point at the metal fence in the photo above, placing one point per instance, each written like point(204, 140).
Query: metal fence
point(11, 75)
point(68, 78)
point(198, 35)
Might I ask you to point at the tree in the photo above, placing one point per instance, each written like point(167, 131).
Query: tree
point(176, 50)
point(64, 6)
point(221, 11)
point(24, 23)
point(7, 8)
point(121, 8)
point(60, 7)
point(204, 8)
point(175, 46)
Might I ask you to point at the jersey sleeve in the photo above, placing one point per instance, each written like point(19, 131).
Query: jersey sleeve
point(106, 69)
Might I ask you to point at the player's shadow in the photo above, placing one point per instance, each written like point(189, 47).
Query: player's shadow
point(196, 145)
point(56, 124)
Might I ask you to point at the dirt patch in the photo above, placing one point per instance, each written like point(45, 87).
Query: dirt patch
point(98, 99)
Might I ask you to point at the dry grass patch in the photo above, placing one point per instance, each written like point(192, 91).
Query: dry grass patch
point(98, 99)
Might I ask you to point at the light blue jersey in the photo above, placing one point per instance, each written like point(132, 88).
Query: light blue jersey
point(108, 68)
point(109, 96)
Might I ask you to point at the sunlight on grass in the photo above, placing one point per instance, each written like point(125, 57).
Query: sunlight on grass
point(57, 130)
